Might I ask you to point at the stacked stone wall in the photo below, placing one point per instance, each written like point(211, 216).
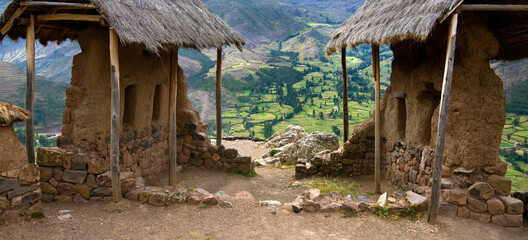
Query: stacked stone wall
point(20, 193)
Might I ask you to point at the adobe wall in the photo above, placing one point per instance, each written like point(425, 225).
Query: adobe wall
point(473, 183)
point(79, 168)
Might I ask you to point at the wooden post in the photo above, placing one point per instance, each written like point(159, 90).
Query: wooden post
point(377, 145)
point(345, 95)
point(219, 97)
point(173, 160)
point(114, 130)
point(30, 89)
point(442, 121)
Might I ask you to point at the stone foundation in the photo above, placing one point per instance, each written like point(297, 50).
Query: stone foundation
point(20, 193)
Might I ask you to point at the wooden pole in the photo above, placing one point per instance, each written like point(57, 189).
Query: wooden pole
point(494, 7)
point(377, 145)
point(219, 97)
point(173, 157)
point(114, 130)
point(30, 89)
point(345, 94)
point(442, 121)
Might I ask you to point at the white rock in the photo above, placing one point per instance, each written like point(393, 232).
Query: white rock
point(382, 201)
point(270, 203)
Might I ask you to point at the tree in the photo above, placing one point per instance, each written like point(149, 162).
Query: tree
point(268, 129)
point(516, 122)
point(336, 130)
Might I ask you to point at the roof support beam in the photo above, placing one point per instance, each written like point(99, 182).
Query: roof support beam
point(345, 94)
point(493, 7)
point(9, 22)
point(30, 89)
point(219, 97)
point(70, 17)
point(173, 98)
point(377, 118)
point(114, 128)
point(442, 121)
point(64, 5)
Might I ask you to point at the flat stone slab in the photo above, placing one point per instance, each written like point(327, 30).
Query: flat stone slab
point(74, 176)
point(7, 184)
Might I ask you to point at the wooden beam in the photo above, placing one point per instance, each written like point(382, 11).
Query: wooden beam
point(377, 118)
point(442, 121)
point(173, 157)
point(70, 17)
point(63, 5)
point(345, 94)
point(9, 22)
point(493, 7)
point(115, 103)
point(30, 89)
point(219, 97)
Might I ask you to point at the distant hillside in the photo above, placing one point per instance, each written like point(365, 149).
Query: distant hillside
point(49, 96)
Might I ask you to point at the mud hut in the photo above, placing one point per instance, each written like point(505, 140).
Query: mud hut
point(19, 188)
point(127, 106)
point(442, 50)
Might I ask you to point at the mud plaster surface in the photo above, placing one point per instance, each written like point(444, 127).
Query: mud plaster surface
point(476, 112)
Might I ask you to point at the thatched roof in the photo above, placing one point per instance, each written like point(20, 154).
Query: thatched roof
point(386, 21)
point(152, 24)
point(10, 114)
point(390, 21)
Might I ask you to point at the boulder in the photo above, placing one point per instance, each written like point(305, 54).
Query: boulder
point(456, 196)
point(508, 220)
point(290, 135)
point(97, 166)
point(513, 205)
point(481, 217)
point(495, 206)
point(74, 176)
point(51, 157)
point(476, 205)
point(312, 194)
point(210, 200)
point(501, 184)
point(7, 184)
point(420, 202)
point(481, 190)
point(66, 188)
point(269, 203)
point(298, 204)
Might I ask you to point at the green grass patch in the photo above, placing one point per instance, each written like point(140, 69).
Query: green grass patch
point(252, 175)
point(381, 212)
point(348, 213)
point(335, 185)
point(37, 215)
point(273, 152)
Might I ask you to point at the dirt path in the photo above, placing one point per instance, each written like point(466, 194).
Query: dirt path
point(246, 220)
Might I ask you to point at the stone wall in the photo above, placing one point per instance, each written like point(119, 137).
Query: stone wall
point(19, 188)
point(354, 159)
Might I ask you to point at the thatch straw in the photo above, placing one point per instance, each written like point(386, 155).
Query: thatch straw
point(159, 23)
point(10, 114)
point(386, 21)
point(152, 24)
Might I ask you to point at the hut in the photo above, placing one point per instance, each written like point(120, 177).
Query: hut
point(19, 188)
point(127, 108)
point(442, 52)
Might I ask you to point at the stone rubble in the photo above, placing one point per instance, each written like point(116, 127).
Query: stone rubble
point(295, 144)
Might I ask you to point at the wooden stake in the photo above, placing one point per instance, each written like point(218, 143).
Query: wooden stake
point(219, 97)
point(62, 5)
point(377, 145)
point(30, 89)
point(114, 130)
point(345, 94)
point(494, 7)
point(9, 22)
point(442, 121)
point(173, 157)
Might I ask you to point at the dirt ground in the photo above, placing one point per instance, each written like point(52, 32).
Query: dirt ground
point(246, 220)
